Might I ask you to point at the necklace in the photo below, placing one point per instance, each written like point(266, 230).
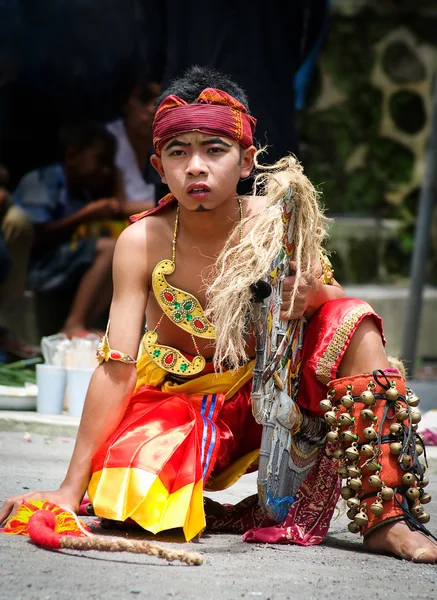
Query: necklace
point(184, 310)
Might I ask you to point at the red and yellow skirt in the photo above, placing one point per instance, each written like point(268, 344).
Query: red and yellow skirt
point(174, 440)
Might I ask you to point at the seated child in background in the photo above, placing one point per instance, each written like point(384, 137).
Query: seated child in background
point(58, 199)
point(16, 237)
point(134, 138)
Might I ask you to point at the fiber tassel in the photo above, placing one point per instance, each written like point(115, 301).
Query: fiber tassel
point(50, 526)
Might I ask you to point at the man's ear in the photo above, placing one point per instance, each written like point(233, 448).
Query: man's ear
point(156, 163)
point(247, 161)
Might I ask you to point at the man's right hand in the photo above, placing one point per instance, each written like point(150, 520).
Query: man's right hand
point(61, 497)
point(101, 210)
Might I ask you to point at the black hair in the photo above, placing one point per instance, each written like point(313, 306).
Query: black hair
point(80, 136)
point(193, 81)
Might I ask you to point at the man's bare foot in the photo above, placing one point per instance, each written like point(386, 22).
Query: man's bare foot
point(398, 539)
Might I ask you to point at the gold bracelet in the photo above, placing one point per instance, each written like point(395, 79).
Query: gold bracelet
point(105, 353)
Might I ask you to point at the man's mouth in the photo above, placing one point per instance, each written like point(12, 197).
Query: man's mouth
point(198, 189)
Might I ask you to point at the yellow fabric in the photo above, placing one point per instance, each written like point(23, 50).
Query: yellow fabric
point(228, 382)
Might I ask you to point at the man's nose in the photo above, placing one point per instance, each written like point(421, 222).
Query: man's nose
point(196, 166)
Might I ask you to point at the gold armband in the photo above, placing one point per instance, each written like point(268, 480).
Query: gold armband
point(327, 276)
point(105, 353)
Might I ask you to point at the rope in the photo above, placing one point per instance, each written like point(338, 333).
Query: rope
point(134, 546)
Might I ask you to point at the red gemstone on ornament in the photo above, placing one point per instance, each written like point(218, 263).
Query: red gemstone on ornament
point(198, 324)
point(115, 354)
point(168, 359)
point(168, 296)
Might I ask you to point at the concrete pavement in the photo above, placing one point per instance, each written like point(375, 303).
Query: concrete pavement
point(233, 569)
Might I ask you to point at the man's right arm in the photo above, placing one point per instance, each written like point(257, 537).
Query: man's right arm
point(112, 383)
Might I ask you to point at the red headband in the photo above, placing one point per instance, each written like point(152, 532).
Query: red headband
point(215, 112)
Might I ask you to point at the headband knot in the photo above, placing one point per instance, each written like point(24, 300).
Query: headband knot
point(215, 113)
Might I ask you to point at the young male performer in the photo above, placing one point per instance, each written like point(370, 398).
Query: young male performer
point(155, 432)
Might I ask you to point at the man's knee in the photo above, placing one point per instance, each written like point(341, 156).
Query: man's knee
point(365, 352)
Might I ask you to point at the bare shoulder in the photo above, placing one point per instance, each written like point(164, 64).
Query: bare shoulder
point(253, 204)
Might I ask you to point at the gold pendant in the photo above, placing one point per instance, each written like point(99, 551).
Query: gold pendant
point(171, 359)
point(183, 309)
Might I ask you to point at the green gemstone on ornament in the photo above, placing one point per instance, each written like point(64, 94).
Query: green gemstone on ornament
point(156, 353)
point(184, 367)
point(177, 305)
point(189, 317)
point(187, 305)
point(178, 316)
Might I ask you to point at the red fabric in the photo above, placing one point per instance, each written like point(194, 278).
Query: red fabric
point(155, 415)
point(319, 336)
point(215, 113)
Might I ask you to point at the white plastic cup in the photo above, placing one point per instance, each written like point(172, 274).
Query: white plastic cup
point(51, 381)
point(78, 381)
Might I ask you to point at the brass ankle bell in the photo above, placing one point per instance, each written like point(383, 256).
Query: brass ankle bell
point(343, 471)
point(370, 433)
point(352, 453)
point(333, 437)
point(347, 401)
point(412, 493)
point(367, 450)
point(330, 417)
point(353, 527)
point(419, 449)
point(424, 482)
point(417, 510)
point(361, 518)
point(354, 471)
point(367, 398)
point(424, 517)
point(416, 417)
point(345, 420)
point(325, 405)
point(425, 498)
point(367, 413)
point(402, 414)
point(346, 492)
point(351, 514)
point(392, 394)
point(348, 437)
point(396, 448)
point(355, 483)
point(353, 503)
point(387, 493)
point(373, 466)
point(406, 460)
point(338, 454)
point(412, 399)
point(377, 508)
point(375, 482)
point(408, 479)
point(396, 429)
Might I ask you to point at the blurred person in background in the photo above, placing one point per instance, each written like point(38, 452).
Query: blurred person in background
point(60, 198)
point(137, 182)
point(16, 238)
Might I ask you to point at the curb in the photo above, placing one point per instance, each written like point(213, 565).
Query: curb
point(52, 425)
point(67, 426)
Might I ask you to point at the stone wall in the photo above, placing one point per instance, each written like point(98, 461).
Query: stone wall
point(365, 128)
